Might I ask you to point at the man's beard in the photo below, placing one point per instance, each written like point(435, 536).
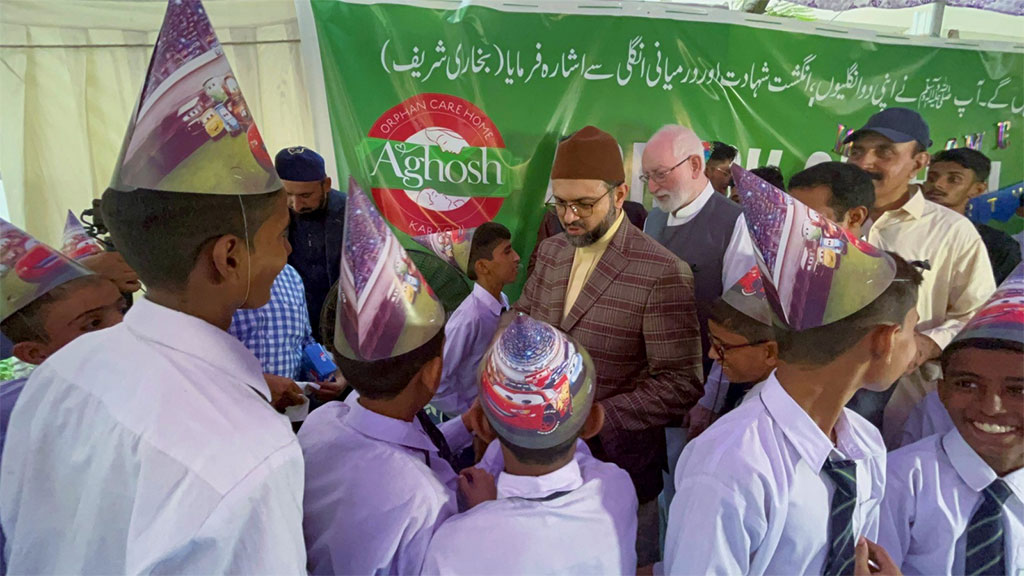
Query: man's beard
point(594, 235)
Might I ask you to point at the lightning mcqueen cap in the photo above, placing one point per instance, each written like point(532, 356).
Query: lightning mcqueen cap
point(536, 385)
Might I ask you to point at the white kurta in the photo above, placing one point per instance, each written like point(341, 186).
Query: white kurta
point(933, 488)
point(150, 447)
point(579, 519)
point(927, 418)
point(750, 494)
point(376, 490)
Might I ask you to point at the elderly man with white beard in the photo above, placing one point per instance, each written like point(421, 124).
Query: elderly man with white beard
point(704, 229)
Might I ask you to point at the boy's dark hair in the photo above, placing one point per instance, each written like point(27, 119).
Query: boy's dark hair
point(27, 324)
point(850, 185)
point(387, 378)
point(821, 345)
point(967, 158)
point(540, 457)
point(486, 238)
point(160, 234)
point(735, 321)
point(722, 152)
point(771, 175)
point(980, 343)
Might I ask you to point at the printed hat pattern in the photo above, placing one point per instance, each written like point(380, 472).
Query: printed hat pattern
point(385, 307)
point(1002, 317)
point(77, 243)
point(29, 269)
point(536, 385)
point(748, 296)
point(815, 272)
point(452, 246)
point(191, 129)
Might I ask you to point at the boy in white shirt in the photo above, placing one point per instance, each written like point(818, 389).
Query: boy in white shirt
point(151, 446)
point(954, 502)
point(788, 484)
point(379, 478)
point(558, 510)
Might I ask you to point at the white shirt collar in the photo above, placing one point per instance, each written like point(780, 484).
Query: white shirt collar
point(809, 441)
point(387, 429)
point(485, 298)
point(972, 469)
point(196, 337)
point(688, 212)
point(564, 479)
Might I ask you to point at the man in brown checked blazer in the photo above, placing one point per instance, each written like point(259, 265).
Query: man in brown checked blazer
point(630, 303)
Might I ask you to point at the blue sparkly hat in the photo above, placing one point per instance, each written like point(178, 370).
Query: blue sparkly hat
point(536, 385)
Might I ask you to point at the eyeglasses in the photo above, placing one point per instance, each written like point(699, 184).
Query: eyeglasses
point(659, 176)
point(580, 209)
point(721, 349)
point(721, 170)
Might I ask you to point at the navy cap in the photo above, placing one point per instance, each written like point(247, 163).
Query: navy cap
point(896, 124)
point(299, 164)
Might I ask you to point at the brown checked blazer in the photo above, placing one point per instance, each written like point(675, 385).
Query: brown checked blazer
point(637, 318)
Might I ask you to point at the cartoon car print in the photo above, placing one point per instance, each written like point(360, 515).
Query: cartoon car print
point(39, 263)
point(213, 124)
point(835, 244)
point(827, 257)
point(542, 402)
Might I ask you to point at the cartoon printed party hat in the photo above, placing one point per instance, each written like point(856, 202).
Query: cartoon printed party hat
point(191, 129)
point(1002, 316)
point(815, 272)
point(748, 297)
point(385, 307)
point(29, 269)
point(77, 243)
point(452, 246)
point(536, 385)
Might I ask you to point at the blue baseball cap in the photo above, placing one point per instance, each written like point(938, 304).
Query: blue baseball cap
point(299, 164)
point(896, 124)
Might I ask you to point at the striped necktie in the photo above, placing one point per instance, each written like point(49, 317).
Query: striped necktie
point(843, 474)
point(985, 547)
point(436, 438)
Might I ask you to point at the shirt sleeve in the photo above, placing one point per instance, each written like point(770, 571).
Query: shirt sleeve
point(970, 284)
point(456, 434)
point(459, 337)
point(896, 518)
point(714, 389)
point(674, 373)
point(712, 527)
point(739, 255)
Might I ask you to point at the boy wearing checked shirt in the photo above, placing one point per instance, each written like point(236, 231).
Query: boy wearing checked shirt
point(953, 502)
point(791, 481)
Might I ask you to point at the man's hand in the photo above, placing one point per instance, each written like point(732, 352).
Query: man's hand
point(331, 388)
point(870, 558)
point(477, 486)
point(700, 418)
point(476, 422)
point(284, 392)
point(111, 265)
point(927, 350)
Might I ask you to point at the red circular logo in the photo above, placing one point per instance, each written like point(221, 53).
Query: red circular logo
point(450, 123)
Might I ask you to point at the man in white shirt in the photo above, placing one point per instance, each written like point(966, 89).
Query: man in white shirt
point(893, 147)
point(151, 446)
point(379, 478)
point(492, 265)
point(558, 510)
point(954, 503)
point(789, 483)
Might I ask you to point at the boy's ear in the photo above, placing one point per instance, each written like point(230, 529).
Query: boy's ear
point(883, 341)
point(771, 353)
point(595, 421)
point(430, 374)
point(228, 256)
point(857, 216)
point(31, 352)
point(977, 189)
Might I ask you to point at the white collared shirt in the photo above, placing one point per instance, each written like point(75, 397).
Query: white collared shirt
point(467, 334)
point(959, 282)
point(751, 497)
point(151, 447)
point(927, 418)
point(933, 488)
point(739, 254)
point(579, 519)
point(376, 490)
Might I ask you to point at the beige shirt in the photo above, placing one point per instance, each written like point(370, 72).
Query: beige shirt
point(584, 261)
point(959, 282)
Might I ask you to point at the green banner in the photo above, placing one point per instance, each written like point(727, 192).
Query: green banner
point(453, 85)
